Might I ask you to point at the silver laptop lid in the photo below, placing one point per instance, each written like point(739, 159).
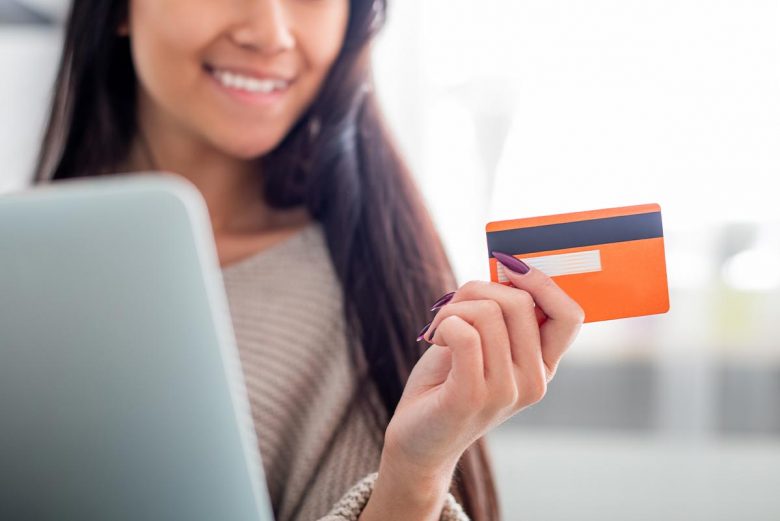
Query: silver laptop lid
point(121, 392)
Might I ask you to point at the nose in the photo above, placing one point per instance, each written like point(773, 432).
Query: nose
point(265, 27)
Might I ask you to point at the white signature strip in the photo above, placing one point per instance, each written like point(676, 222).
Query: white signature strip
point(561, 264)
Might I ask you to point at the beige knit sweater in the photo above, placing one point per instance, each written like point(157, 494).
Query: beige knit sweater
point(319, 447)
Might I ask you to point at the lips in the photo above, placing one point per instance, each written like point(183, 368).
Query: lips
point(249, 81)
point(249, 84)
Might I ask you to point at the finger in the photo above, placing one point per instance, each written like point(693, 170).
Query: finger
point(541, 318)
point(518, 310)
point(487, 318)
point(564, 315)
point(530, 369)
point(466, 347)
point(432, 368)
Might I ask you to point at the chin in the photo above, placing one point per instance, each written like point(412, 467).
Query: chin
point(244, 148)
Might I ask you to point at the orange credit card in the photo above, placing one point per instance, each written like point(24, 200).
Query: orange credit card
point(610, 261)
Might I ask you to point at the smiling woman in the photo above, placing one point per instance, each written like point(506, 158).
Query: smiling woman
point(246, 47)
point(267, 107)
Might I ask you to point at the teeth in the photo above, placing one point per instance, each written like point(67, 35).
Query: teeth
point(238, 81)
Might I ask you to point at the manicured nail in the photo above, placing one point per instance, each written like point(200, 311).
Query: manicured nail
point(443, 300)
point(424, 329)
point(433, 332)
point(510, 262)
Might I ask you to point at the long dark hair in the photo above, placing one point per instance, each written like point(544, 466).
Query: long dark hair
point(338, 161)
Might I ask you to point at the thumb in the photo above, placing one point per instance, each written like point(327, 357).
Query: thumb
point(522, 276)
point(555, 303)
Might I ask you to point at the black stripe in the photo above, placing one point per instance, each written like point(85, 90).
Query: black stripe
point(576, 234)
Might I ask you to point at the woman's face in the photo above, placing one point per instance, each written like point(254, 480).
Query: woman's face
point(235, 73)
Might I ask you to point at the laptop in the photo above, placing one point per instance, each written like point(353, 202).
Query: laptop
point(121, 391)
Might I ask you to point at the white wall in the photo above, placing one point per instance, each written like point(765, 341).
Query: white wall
point(28, 58)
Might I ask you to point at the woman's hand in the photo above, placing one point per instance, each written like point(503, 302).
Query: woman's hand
point(495, 349)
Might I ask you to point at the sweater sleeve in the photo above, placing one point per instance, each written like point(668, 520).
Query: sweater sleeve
point(351, 504)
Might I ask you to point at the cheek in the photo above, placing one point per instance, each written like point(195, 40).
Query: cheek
point(166, 38)
point(321, 38)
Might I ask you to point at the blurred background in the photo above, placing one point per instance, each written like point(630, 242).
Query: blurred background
point(509, 109)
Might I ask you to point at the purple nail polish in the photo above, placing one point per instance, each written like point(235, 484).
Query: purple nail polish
point(422, 332)
point(443, 300)
point(433, 332)
point(510, 262)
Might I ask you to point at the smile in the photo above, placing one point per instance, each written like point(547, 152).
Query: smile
point(240, 82)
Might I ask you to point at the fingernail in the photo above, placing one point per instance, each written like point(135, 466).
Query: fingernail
point(443, 301)
point(510, 262)
point(433, 332)
point(424, 329)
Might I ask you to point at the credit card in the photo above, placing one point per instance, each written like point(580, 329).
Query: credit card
point(610, 261)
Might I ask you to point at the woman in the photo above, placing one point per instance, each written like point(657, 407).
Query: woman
point(329, 258)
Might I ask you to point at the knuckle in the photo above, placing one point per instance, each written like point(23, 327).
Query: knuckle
point(490, 308)
point(537, 389)
point(472, 288)
point(449, 320)
point(509, 397)
point(550, 371)
point(467, 333)
point(524, 300)
point(548, 282)
point(578, 314)
point(442, 314)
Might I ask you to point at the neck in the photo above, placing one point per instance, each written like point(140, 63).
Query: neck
point(232, 187)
